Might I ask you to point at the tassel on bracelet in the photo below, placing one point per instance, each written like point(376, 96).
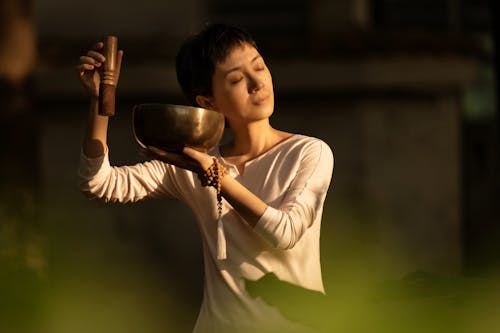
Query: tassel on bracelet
point(212, 177)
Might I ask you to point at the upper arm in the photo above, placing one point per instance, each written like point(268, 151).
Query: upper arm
point(126, 183)
point(283, 225)
point(312, 179)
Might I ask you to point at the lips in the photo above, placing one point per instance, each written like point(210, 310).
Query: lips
point(260, 99)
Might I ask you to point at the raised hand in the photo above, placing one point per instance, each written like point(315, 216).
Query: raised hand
point(89, 67)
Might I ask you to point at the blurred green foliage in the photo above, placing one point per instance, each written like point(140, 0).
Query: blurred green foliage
point(72, 274)
point(479, 101)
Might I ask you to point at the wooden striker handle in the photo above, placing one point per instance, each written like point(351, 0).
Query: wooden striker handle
point(107, 87)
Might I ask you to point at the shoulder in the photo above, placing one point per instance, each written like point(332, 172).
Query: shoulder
point(315, 154)
point(313, 158)
point(311, 145)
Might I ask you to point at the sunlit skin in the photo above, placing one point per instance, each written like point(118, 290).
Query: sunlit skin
point(242, 87)
point(242, 91)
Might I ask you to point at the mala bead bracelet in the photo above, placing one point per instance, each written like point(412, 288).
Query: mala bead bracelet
point(213, 174)
point(212, 177)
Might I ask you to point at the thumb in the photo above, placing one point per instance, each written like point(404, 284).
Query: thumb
point(119, 57)
point(203, 159)
point(193, 153)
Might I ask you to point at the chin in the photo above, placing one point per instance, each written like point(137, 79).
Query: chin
point(265, 109)
point(253, 113)
point(262, 112)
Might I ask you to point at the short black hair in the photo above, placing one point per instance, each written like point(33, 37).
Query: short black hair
point(196, 59)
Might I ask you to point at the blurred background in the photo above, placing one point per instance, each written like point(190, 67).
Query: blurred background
point(404, 91)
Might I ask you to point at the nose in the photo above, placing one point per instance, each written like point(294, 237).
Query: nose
point(255, 84)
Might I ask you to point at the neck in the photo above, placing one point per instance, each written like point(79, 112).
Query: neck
point(251, 139)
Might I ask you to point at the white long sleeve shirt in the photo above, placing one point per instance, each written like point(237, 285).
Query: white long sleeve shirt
point(292, 178)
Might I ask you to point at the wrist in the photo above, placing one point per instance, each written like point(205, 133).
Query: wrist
point(206, 163)
point(213, 174)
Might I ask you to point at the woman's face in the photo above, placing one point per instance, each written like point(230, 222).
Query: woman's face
point(242, 86)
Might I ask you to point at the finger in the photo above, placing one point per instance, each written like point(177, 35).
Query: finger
point(119, 57)
point(156, 151)
point(175, 159)
point(204, 160)
point(84, 67)
point(152, 154)
point(89, 60)
point(193, 153)
point(145, 152)
point(98, 46)
point(81, 69)
point(96, 55)
point(163, 155)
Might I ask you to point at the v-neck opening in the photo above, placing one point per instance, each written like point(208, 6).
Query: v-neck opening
point(252, 160)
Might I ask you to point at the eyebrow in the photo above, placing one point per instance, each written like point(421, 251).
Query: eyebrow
point(238, 67)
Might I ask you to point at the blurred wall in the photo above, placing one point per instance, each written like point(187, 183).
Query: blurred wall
point(134, 19)
point(388, 100)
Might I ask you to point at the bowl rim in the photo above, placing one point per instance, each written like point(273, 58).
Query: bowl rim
point(181, 106)
point(177, 106)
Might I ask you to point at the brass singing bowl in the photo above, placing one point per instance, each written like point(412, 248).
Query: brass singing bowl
point(171, 127)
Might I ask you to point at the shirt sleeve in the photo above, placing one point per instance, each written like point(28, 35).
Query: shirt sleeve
point(283, 226)
point(98, 179)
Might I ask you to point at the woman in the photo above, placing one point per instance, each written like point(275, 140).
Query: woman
point(273, 192)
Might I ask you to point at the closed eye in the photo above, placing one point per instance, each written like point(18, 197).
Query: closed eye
point(259, 65)
point(236, 80)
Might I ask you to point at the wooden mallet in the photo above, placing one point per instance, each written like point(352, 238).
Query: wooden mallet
point(107, 87)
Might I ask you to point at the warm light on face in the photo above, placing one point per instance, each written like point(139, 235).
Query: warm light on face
point(242, 86)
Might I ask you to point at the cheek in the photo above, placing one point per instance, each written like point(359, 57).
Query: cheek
point(234, 94)
point(269, 78)
point(227, 98)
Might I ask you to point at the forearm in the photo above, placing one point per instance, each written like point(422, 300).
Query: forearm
point(282, 230)
point(284, 224)
point(95, 140)
point(247, 204)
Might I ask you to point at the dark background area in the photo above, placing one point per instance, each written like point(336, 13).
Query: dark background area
point(404, 92)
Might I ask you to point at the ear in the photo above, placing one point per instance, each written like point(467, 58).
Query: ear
point(205, 102)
